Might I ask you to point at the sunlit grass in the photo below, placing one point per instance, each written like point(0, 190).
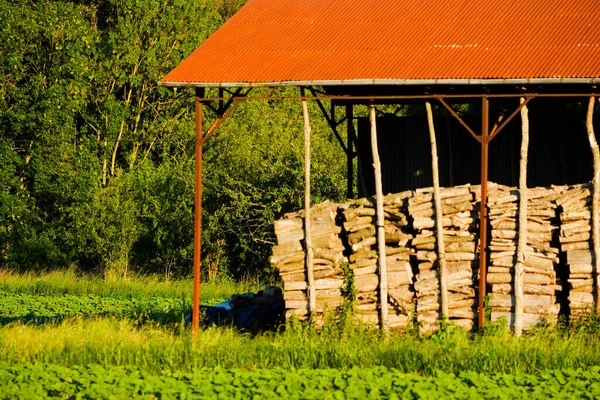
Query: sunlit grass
point(70, 282)
point(108, 342)
point(147, 343)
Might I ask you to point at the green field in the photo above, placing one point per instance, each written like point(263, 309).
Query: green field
point(36, 380)
point(75, 337)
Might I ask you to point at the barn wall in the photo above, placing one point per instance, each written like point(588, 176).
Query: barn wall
point(559, 150)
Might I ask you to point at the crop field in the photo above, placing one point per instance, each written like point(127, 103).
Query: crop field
point(75, 337)
point(40, 309)
point(33, 380)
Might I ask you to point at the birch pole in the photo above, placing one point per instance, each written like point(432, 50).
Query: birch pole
point(439, 218)
point(312, 300)
point(383, 296)
point(596, 197)
point(522, 241)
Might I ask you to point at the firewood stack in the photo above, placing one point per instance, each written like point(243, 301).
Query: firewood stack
point(576, 242)
point(460, 237)
point(289, 259)
point(359, 229)
point(541, 257)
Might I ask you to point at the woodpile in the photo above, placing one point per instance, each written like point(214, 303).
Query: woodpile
point(289, 259)
point(557, 216)
point(540, 256)
point(359, 230)
point(460, 239)
point(575, 240)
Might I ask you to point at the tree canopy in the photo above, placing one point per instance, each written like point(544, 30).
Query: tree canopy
point(97, 162)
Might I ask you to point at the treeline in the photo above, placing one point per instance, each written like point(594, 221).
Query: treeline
point(97, 162)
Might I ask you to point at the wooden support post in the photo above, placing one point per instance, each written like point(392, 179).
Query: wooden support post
point(595, 198)
point(483, 211)
point(439, 217)
point(383, 296)
point(310, 276)
point(350, 150)
point(522, 241)
point(197, 214)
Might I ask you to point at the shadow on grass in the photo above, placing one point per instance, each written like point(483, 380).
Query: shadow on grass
point(171, 318)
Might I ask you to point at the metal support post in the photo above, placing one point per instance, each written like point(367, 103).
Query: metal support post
point(197, 214)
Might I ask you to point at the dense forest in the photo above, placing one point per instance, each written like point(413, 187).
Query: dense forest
point(97, 161)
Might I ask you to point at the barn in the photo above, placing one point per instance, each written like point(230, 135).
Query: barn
point(497, 97)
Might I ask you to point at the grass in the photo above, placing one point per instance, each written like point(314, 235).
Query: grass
point(155, 347)
point(72, 283)
point(113, 342)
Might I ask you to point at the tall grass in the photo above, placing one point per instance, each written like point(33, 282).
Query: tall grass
point(112, 342)
point(70, 282)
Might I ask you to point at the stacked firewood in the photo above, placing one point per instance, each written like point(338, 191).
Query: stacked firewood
point(576, 242)
point(540, 258)
point(460, 239)
point(289, 259)
point(360, 231)
point(413, 213)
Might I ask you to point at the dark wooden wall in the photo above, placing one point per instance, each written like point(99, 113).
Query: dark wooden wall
point(559, 150)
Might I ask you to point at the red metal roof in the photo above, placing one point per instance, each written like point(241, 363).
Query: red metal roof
point(272, 42)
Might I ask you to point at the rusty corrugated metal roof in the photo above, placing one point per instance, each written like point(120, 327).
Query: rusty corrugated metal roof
point(273, 42)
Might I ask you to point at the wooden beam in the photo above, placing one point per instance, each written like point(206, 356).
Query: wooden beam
point(522, 241)
point(439, 217)
point(219, 120)
point(497, 130)
point(224, 110)
point(459, 119)
point(589, 123)
point(312, 298)
point(224, 107)
point(340, 121)
point(381, 260)
point(330, 120)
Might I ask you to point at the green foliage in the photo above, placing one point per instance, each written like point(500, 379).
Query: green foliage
point(146, 287)
point(254, 173)
point(119, 382)
point(137, 339)
point(97, 162)
point(42, 309)
point(164, 196)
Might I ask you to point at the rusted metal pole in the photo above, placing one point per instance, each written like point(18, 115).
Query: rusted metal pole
point(383, 293)
point(405, 97)
point(197, 214)
point(350, 150)
point(483, 210)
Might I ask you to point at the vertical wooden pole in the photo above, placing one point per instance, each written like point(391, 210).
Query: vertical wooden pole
point(312, 300)
point(350, 150)
point(483, 211)
point(522, 242)
point(439, 217)
point(197, 213)
point(383, 296)
point(595, 197)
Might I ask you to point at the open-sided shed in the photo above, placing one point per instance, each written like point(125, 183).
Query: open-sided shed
point(397, 51)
